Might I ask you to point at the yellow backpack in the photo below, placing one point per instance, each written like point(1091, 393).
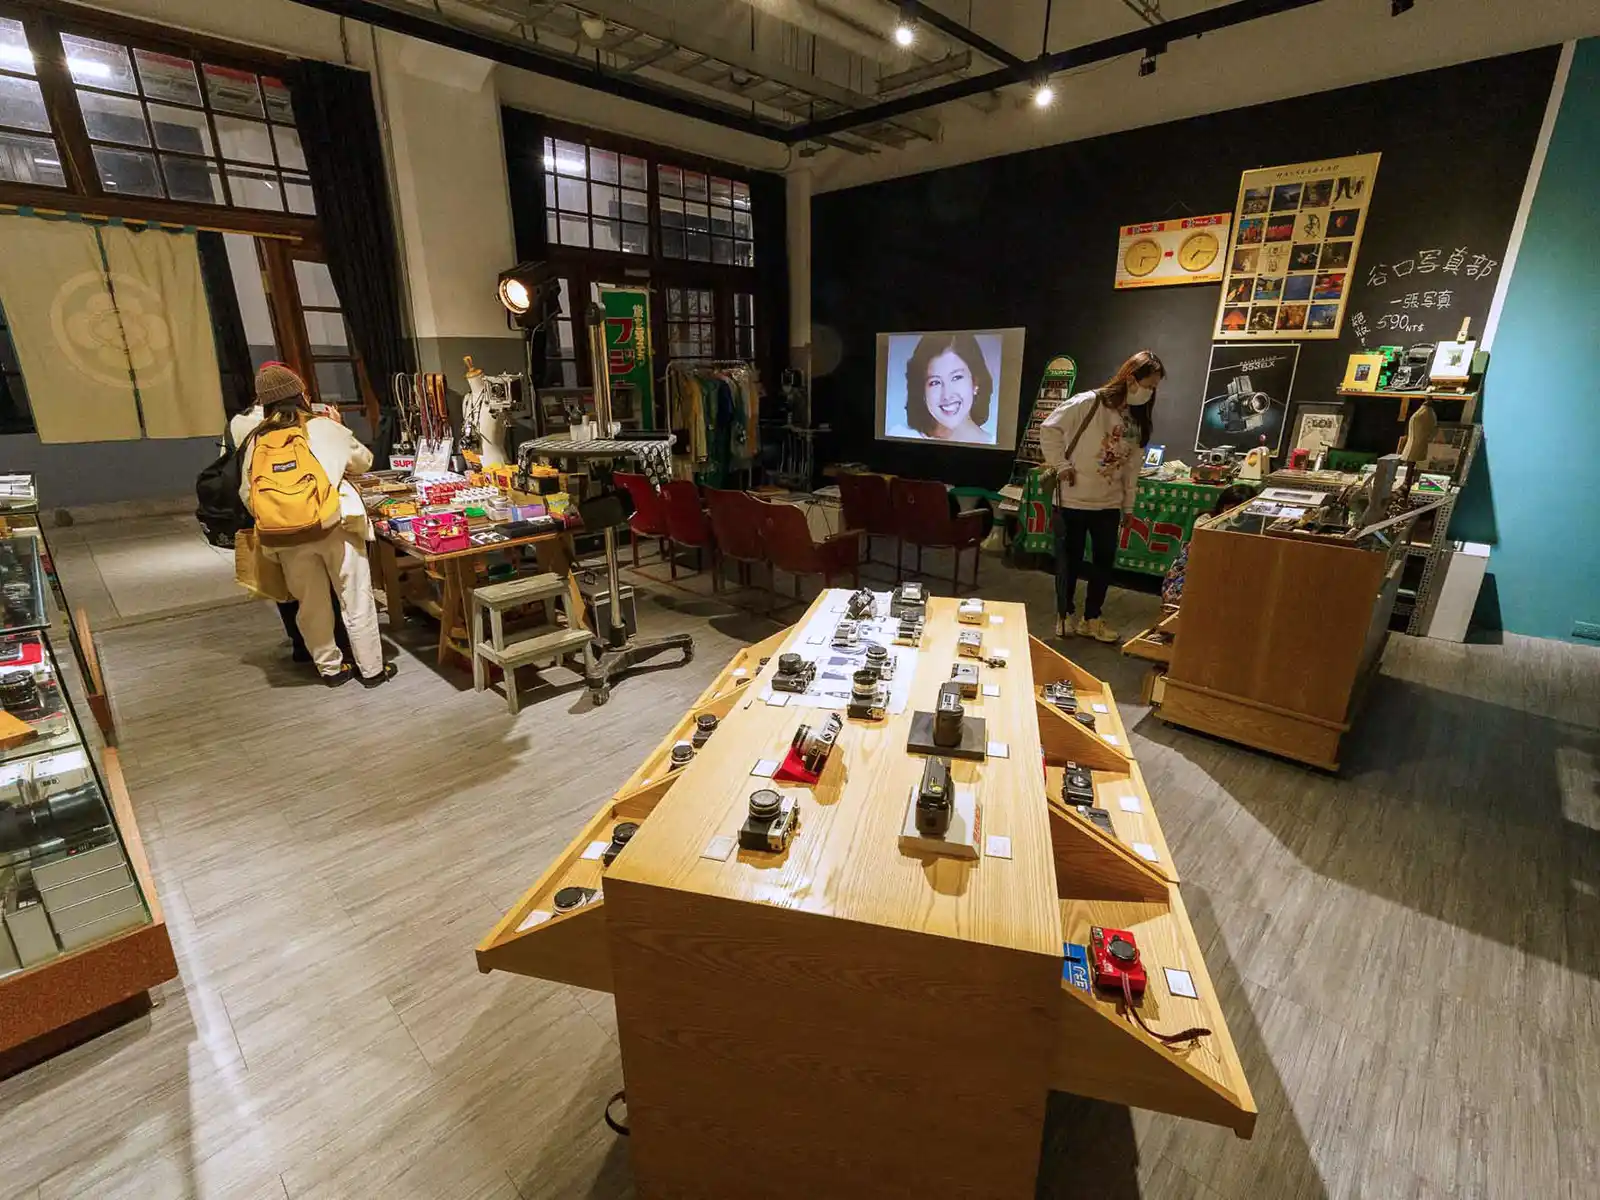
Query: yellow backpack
point(289, 491)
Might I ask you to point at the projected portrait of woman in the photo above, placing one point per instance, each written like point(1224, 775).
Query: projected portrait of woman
point(949, 389)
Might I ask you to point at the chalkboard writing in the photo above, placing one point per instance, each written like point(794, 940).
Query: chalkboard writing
point(1429, 290)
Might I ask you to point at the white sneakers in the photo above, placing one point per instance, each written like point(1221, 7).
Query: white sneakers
point(1074, 625)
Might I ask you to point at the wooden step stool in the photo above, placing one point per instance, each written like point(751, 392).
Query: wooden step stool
point(542, 645)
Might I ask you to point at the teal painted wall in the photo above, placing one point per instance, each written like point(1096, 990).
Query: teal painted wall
point(1534, 494)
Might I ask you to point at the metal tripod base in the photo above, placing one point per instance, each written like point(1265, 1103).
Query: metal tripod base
point(606, 662)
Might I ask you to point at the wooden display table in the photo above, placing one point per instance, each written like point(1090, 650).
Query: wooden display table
point(850, 1019)
point(1276, 640)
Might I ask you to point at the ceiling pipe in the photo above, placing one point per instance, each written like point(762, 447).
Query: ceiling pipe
point(846, 34)
point(1228, 15)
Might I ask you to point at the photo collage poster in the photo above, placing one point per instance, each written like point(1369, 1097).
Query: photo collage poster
point(1292, 259)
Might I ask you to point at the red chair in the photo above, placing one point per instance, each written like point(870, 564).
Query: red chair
point(649, 517)
point(790, 547)
point(865, 499)
point(736, 519)
point(686, 523)
point(922, 517)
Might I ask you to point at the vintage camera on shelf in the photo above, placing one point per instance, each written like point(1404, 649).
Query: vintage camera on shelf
point(794, 674)
point(1084, 717)
point(969, 644)
point(621, 834)
point(880, 660)
point(1115, 958)
point(965, 675)
point(770, 823)
point(936, 798)
point(909, 631)
point(861, 606)
point(1077, 785)
point(682, 753)
point(869, 696)
point(970, 611)
point(570, 899)
point(847, 635)
point(813, 743)
point(948, 715)
point(909, 600)
point(1063, 695)
point(1215, 466)
point(1097, 817)
point(22, 697)
point(704, 726)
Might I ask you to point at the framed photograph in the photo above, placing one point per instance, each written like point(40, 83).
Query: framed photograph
point(1319, 427)
point(1361, 372)
point(1452, 362)
point(1153, 456)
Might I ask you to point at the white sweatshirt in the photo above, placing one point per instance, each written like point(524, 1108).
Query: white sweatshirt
point(338, 451)
point(1107, 457)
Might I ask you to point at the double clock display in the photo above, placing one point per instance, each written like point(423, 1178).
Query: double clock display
point(1198, 251)
point(1172, 252)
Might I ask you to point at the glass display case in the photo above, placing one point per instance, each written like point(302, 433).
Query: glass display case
point(65, 877)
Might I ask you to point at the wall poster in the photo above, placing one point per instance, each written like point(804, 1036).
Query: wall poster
point(1247, 397)
point(1292, 259)
point(1182, 250)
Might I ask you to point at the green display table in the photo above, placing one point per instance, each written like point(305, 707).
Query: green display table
point(1163, 520)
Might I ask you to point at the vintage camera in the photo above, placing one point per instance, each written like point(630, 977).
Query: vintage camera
point(965, 674)
point(813, 744)
point(66, 816)
point(794, 674)
point(1097, 817)
point(969, 644)
point(881, 661)
point(948, 715)
point(1243, 408)
point(869, 696)
point(704, 726)
point(21, 696)
point(970, 611)
point(936, 798)
point(1063, 695)
point(621, 835)
point(908, 600)
point(1115, 957)
point(682, 752)
point(1077, 785)
point(909, 631)
point(770, 823)
point(1084, 717)
point(861, 606)
point(568, 899)
point(846, 635)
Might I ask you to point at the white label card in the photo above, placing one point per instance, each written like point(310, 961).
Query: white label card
point(766, 768)
point(999, 750)
point(1131, 804)
point(740, 672)
point(1002, 652)
point(1112, 738)
point(1100, 708)
point(537, 917)
point(718, 848)
point(996, 846)
point(996, 619)
point(777, 699)
point(1180, 983)
point(991, 690)
point(1145, 850)
point(815, 639)
point(595, 849)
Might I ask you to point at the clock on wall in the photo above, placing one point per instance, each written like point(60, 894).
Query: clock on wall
point(1199, 251)
point(1141, 258)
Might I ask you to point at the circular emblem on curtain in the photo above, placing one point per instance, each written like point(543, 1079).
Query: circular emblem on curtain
point(101, 339)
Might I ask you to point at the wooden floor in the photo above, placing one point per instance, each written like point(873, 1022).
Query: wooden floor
point(1408, 954)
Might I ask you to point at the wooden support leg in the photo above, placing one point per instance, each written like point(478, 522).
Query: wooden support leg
point(977, 561)
point(389, 573)
point(449, 604)
point(555, 557)
point(480, 670)
point(513, 698)
point(497, 626)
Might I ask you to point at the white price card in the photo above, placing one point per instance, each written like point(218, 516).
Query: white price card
point(996, 619)
point(1145, 850)
point(816, 639)
point(777, 699)
point(740, 672)
point(1131, 804)
point(766, 768)
point(996, 846)
point(1110, 737)
point(1000, 652)
point(537, 917)
point(991, 690)
point(999, 750)
point(718, 848)
point(1100, 708)
point(595, 850)
point(1180, 983)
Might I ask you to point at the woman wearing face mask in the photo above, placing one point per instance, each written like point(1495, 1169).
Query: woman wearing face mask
point(1095, 442)
point(949, 389)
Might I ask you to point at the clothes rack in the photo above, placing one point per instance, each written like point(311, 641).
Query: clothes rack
point(717, 402)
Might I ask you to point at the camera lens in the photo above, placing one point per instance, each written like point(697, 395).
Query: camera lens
point(1085, 718)
point(682, 752)
point(624, 832)
point(765, 804)
point(569, 898)
point(790, 664)
point(19, 692)
point(864, 684)
point(1123, 951)
point(704, 726)
point(66, 816)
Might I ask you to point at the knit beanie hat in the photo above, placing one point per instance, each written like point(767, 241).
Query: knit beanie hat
point(276, 382)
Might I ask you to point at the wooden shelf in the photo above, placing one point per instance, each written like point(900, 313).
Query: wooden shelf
point(1064, 738)
point(1387, 395)
point(1131, 828)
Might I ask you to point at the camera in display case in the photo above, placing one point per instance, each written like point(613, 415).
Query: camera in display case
point(1063, 695)
point(794, 674)
point(771, 821)
point(1077, 784)
point(970, 612)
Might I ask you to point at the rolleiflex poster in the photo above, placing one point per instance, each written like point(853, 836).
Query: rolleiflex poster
point(956, 387)
point(1247, 396)
point(1292, 260)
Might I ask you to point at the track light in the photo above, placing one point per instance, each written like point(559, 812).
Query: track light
point(1396, 7)
point(1043, 94)
point(1147, 65)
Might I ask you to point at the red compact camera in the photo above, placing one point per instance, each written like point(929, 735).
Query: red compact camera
point(1115, 956)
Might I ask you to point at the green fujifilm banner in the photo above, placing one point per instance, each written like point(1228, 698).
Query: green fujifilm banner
point(628, 353)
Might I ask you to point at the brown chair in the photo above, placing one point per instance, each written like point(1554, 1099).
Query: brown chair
point(790, 547)
point(736, 519)
point(864, 497)
point(649, 517)
point(686, 523)
point(922, 517)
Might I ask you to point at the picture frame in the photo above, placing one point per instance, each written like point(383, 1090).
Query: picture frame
point(1362, 371)
point(1452, 362)
point(1153, 456)
point(1320, 426)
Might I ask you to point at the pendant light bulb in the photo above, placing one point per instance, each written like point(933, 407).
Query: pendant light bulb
point(1044, 95)
point(904, 34)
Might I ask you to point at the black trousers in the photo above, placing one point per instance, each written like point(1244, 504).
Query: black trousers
point(290, 609)
point(1102, 527)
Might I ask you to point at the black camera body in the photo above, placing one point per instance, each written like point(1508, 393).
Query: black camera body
point(1063, 695)
point(869, 696)
point(704, 726)
point(880, 661)
point(568, 899)
point(63, 817)
point(1077, 785)
point(1097, 817)
point(682, 755)
point(909, 631)
point(1084, 717)
point(909, 600)
point(847, 635)
point(771, 822)
point(794, 674)
point(621, 835)
point(936, 798)
point(862, 605)
point(948, 715)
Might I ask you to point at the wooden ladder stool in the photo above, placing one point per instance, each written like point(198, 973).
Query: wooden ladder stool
point(544, 644)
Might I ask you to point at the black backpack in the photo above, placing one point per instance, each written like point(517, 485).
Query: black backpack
point(221, 513)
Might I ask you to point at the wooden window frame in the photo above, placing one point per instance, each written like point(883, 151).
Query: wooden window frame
point(288, 312)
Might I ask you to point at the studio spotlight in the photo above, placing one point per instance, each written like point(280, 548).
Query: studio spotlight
point(1147, 65)
point(531, 293)
point(1043, 94)
point(1396, 7)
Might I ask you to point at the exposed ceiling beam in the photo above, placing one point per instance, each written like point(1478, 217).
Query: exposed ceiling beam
point(948, 65)
point(1210, 21)
point(958, 31)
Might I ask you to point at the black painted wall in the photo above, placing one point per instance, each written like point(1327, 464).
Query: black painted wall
point(1030, 239)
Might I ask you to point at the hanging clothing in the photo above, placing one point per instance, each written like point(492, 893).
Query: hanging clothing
point(717, 408)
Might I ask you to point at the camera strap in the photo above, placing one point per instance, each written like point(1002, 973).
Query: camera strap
point(617, 1126)
point(1166, 1039)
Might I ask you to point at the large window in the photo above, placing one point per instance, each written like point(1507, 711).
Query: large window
point(691, 323)
point(596, 199)
point(705, 218)
point(28, 151)
point(15, 415)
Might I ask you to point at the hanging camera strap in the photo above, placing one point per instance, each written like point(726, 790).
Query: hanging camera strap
point(1166, 1039)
